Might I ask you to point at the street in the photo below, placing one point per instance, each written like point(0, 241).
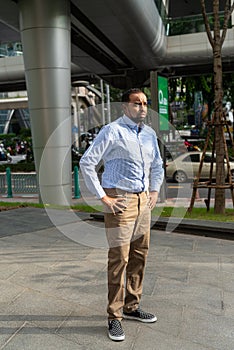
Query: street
point(184, 190)
point(172, 190)
point(14, 159)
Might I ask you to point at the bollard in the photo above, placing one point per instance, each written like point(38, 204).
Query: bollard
point(9, 186)
point(76, 182)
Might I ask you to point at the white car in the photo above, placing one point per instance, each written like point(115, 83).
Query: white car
point(186, 166)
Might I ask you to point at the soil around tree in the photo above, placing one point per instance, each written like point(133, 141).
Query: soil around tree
point(5, 208)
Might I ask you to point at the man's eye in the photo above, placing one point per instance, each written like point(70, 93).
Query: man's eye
point(140, 103)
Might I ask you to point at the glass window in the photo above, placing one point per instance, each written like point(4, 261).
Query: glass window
point(195, 158)
point(208, 158)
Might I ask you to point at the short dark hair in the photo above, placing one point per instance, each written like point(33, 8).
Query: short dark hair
point(126, 94)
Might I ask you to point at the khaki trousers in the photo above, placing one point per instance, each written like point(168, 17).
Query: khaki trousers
point(128, 236)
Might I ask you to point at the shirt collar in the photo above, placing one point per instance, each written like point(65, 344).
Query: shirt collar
point(131, 123)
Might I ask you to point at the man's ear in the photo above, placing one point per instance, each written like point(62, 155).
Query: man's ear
point(124, 107)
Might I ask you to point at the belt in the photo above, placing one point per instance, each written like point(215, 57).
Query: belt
point(118, 190)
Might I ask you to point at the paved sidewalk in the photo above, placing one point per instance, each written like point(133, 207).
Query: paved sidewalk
point(53, 287)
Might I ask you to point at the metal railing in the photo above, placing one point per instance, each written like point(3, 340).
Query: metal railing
point(24, 183)
point(18, 183)
point(3, 183)
point(15, 183)
point(11, 49)
point(192, 24)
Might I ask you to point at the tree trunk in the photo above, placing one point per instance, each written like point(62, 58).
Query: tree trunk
point(219, 206)
point(216, 40)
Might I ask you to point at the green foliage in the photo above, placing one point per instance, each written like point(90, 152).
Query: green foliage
point(196, 214)
point(185, 25)
point(19, 167)
point(228, 87)
point(204, 83)
point(231, 153)
point(7, 139)
point(25, 134)
point(147, 92)
point(188, 86)
point(115, 94)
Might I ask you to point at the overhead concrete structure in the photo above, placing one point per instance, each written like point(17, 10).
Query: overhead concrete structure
point(121, 41)
point(64, 41)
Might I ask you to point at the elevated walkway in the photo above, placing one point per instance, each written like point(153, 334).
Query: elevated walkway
point(14, 103)
point(188, 50)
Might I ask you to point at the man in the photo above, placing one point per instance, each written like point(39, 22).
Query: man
point(133, 174)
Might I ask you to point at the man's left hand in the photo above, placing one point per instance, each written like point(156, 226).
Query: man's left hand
point(153, 197)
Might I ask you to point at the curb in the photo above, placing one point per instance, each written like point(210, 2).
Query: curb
point(213, 229)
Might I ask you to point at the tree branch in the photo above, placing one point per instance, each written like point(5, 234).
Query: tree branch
point(207, 24)
point(216, 22)
point(227, 14)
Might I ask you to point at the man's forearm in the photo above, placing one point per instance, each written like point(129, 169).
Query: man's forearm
point(91, 179)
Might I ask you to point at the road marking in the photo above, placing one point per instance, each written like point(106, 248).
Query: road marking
point(175, 186)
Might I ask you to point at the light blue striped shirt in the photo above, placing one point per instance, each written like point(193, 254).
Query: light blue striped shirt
point(132, 160)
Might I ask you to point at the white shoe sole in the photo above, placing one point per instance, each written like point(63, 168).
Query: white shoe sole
point(144, 320)
point(113, 337)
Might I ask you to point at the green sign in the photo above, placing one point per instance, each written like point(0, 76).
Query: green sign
point(163, 103)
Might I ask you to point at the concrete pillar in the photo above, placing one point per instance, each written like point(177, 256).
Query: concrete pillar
point(45, 33)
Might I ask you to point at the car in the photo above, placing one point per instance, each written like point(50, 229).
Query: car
point(186, 166)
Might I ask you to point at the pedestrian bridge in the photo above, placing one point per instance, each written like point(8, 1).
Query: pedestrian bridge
point(121, 41)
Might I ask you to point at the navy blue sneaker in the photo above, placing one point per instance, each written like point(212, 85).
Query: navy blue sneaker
point(140, 315)
point(115, 330)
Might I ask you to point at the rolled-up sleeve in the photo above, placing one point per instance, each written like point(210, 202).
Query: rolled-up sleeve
point(157, 170)
point(92, 158)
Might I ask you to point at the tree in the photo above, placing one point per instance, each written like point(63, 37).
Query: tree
point(188, 85)
point(216, 40)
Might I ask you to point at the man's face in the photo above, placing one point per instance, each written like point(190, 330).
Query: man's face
point(136, 108)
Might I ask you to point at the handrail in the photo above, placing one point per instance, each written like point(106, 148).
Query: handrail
point(191, 24)
point(13, 183)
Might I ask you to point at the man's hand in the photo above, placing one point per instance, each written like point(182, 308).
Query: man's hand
point(153, 197)
point(116, 204)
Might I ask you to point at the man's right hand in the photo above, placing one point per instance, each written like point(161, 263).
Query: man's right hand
point(114, 204)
